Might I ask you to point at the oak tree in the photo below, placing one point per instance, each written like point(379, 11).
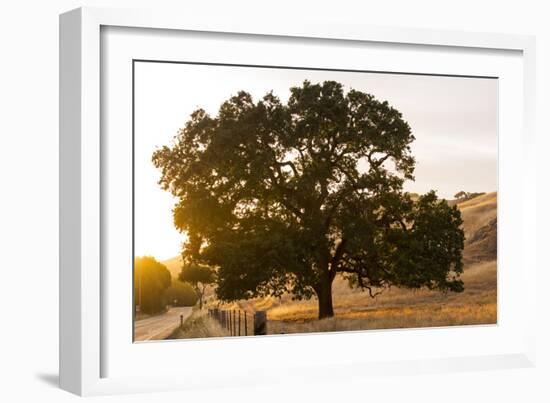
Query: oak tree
point(281, 197)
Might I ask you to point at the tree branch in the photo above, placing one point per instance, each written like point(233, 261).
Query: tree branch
point(368, 287)
point(285, 191)
point(291, 165)
point(340, 249)
point(377, 163)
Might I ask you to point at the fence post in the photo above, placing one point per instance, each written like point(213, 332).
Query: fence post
point(260, 323)
point(181, 321)
point(245, 326)
point(239, 312)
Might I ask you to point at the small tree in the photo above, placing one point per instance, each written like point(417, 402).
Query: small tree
point(461, 195)
point(199, 276)
point(180, 294)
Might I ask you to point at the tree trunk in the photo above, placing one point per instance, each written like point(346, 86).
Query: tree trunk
point(202, 295)
point(324, 296)
point(199, 294)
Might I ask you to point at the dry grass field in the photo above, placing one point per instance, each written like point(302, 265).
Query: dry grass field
point(396, 308)
point(199, 325)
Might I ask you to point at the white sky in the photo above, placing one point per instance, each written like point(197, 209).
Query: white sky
point(453, 119)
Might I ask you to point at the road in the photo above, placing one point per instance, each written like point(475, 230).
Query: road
point(161, 326)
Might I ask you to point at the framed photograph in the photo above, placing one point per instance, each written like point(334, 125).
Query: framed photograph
point(312, 196)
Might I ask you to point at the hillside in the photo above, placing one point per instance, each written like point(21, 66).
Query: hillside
point(480, 228)
point(173, 265)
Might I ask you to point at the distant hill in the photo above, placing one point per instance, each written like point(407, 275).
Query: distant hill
point(173, 265)
point(480, 228)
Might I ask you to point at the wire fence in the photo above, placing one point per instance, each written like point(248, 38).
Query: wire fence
point(240, 323)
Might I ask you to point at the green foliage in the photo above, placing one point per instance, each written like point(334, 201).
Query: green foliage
point(180, 294)
point(429, 252)
point(281, 197)
point(199, 276)
point(151, 278)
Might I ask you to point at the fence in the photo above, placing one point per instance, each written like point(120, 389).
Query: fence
point(238, 323)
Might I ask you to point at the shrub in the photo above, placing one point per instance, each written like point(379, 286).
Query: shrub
point(180, 294)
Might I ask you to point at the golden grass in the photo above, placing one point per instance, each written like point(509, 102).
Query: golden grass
point(487, 198)
point(394, 308)
point(199, 325)
point(393, 318)
point(477, 212)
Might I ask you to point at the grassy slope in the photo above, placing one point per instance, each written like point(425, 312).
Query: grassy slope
point(480, 228)
point(395, 308)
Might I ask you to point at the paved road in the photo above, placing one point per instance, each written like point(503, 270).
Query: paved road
point(161, 326)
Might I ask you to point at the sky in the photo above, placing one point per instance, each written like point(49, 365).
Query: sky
point(454, 120)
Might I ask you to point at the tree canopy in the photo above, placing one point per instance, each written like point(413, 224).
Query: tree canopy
point(151, 278)
point(180, 294)
point(199, 276)
point(281, 197)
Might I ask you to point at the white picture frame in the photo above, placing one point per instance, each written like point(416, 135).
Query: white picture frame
point(85, 346)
